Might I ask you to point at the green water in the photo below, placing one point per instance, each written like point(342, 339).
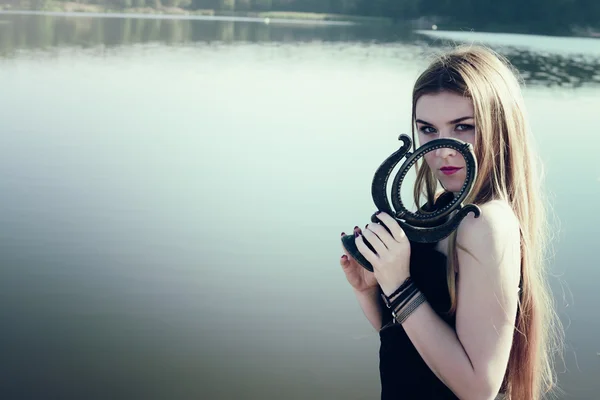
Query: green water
point(172, 194)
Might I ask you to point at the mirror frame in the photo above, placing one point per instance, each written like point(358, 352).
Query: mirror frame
point(419, 227)
point(379, 185)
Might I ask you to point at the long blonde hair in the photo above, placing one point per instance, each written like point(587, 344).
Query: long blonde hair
point(508, 169)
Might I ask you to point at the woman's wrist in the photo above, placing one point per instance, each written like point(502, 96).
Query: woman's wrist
point(404, 300)
point(402, 312)
point(391, 289)
point(370, 291)
point(391, 296)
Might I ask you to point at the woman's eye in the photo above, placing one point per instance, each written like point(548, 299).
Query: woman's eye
point(464, 127)
point(427, 129)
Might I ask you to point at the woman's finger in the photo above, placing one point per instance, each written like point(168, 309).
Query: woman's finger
point(365, 251)
point(395, 229)
point(344, 260)
point(382, 233)
point(374, 241)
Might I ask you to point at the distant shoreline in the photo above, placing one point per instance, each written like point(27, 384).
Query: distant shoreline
point(94, 10)
point(72, 9)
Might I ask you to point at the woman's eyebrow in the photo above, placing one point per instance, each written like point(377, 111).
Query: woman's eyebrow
point(457, 120)
point(454, 121)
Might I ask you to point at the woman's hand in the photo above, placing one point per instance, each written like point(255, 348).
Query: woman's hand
point(359, 278)
point(391, 262)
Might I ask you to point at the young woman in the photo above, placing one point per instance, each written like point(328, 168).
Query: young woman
point(480, 321)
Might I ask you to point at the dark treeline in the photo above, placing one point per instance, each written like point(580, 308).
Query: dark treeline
point(477, 14)
point(102, 34)
point(505, 12)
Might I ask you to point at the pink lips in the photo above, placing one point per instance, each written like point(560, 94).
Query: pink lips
point(449, 170)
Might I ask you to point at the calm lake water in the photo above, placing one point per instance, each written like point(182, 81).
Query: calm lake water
point(172, 194)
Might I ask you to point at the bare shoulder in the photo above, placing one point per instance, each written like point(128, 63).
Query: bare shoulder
point(497, 217)
point(494, 233)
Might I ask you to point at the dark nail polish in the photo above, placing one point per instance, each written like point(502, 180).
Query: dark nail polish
point(355, 234)
point(343, 233)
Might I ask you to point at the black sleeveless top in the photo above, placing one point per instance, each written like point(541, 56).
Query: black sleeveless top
point(403, 373)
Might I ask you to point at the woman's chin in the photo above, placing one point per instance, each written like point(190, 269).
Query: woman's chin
point(452, 184)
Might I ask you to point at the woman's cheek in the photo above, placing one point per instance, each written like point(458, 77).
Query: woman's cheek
point(429, 159)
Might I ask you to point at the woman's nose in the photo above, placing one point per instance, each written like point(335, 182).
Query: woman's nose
point(445, 152)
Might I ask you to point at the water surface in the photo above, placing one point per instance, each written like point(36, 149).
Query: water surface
point(172, 194)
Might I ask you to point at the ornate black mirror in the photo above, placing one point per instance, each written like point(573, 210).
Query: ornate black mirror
point(424, 224)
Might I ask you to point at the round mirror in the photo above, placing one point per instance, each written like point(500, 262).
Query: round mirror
point(446, 164)
point(439, 173)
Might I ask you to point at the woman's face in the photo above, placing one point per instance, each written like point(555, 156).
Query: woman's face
point(446, 115)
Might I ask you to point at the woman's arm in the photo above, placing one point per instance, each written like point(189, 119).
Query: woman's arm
point(472, 360)
point(369, 302)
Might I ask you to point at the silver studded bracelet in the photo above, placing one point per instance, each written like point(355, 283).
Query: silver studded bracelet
point(409, 309)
